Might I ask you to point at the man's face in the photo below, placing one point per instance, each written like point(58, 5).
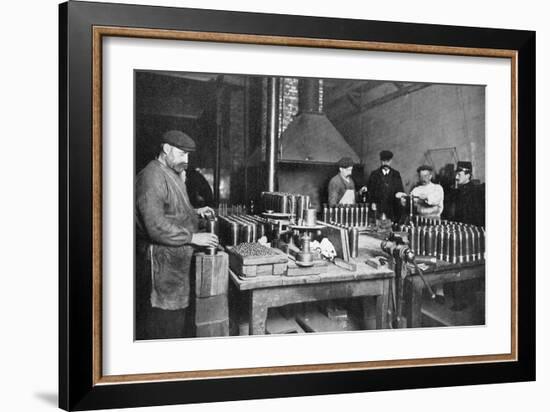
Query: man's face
point(346, 171)
point(177, 159)
point(425, 177)
point(386, 163)
point(462, 177)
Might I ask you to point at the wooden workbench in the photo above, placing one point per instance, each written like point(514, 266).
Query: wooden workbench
point(274, 291)
point(442, 273)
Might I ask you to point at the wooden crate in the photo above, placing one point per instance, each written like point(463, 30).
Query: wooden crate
point(211, 309)
point(212, 329)
point(253, 266)
point(211, 274)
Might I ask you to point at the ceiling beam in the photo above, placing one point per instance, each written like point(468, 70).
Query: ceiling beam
point(352, 92)
point(382, 100)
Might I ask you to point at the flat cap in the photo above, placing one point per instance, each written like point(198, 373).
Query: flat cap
point(386, 155)
point(179, 139)
point(345, 162)
point(464, 166)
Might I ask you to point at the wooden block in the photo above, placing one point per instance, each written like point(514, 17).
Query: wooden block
point(210, 329)
point(345, 265)
point(211, 309)
point(375, 263)
point(252, 271)
point(264, 270)
point(211, 274)
point(279, 269)
point(277, 324)
point(332, 311)
point(315, 321)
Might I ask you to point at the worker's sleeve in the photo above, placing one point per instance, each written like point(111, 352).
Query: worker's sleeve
point(371, 184)
point(333, 193)
point(399, 184)
point(435, 196)
point(151, 195)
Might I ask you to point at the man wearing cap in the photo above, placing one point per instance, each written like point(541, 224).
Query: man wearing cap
point(427, 196)
point(469, 205)
point(383, 184)
point(166, 231)
point(341, 188)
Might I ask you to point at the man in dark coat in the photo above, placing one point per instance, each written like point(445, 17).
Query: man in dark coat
point(468, 205)
point(166, 233)
point(468, 198)
point(383, 184)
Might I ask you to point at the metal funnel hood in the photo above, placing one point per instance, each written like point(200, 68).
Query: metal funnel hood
point(311, 137)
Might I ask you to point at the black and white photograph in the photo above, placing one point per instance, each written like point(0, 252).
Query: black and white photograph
point(271, 202)
point(271, 205)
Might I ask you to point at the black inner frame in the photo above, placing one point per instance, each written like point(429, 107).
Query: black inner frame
point(76, 389)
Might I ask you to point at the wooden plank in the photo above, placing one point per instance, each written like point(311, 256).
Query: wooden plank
point(333, 275)
point(315, 321)
point(220, 284)
point(211, 274)
point(210, 309)
point(211, 329)
point(207, 274)
point(351, 266)
point(277, 324)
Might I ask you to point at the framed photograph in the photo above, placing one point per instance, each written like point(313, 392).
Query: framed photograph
point(257, 206)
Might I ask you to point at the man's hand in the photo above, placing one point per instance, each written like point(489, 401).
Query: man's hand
point(364, 189)
point(204, 211)
point(204, 239)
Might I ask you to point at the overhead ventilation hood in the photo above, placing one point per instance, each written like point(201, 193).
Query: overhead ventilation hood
point(311, 138)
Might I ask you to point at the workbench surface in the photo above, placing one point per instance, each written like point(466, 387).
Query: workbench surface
point(332, 274)
point(264, 292)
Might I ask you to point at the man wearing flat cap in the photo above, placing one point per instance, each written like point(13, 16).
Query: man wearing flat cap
point(468, 198)
point(341, 188)
point(166, 232)
point(383, 184)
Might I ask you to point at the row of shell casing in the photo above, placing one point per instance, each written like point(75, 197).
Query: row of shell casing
point(430, 221)
point(282, 202)
point(451, 242)
point(234, 229)
point(347, 215)
point(224, 209)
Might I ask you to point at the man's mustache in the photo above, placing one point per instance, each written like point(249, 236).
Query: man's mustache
point(179, 167)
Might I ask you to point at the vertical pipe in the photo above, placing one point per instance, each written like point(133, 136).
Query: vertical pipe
point(246, 131)
point(272, 129)
point(219, 136)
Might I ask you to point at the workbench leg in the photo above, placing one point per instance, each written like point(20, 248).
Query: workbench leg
point(382, 306)
point(369, 306)
point(414, 302)
point(258, 315)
